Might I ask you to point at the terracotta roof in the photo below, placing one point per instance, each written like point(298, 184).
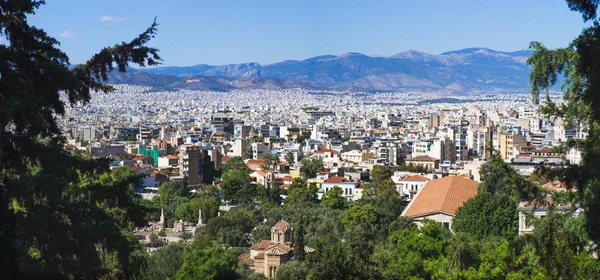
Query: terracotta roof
point(422, 158)
point(172, 157)
point(323, 173)
point(441, 195)
point(544, 150)
point(225, 158)
point(379, 132)
point(260, 255)
point(262, 245)
point(334, 179)
point(244, 257)
point(278, 250)
point(256, 161)
point(282, 225)
point(322, 151)
point(416, 178)
point(141, 158)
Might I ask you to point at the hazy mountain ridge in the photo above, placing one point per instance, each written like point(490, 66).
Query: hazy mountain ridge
point(460, 70)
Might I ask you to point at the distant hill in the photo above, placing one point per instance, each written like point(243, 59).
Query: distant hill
point(460, 70)
point(167, 82)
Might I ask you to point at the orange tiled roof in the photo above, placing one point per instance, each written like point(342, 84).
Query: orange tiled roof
point(416, 178)
point(172, 157)
point(256, 161)
point(334, 179)
point(278, 250)
point(422, 158)
point(262, 245)
point(442, 195)
point(141, 157)
point(322, 151)
point(282, 225)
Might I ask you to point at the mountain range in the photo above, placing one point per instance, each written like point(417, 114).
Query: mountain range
point(456, 71)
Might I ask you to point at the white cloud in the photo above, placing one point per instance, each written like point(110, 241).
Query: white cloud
point(67, 34)
point(111, 18)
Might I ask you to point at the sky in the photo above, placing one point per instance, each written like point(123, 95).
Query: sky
point(221, 32)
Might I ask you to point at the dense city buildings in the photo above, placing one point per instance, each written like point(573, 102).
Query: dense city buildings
point(435, 145)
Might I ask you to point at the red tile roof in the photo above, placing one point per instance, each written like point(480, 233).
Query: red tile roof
point(441, 195)
point(141, 158)
point(423, 158)
point(322, 151)
point(334, 179)
point(262, 245)
point(415, 178)
point(172, 157)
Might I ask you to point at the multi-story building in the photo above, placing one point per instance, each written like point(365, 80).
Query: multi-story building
point(190, 163)
point(507, 143)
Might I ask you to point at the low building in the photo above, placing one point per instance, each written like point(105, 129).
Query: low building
point(440, 198)
point(268, 255)
point(426, 161)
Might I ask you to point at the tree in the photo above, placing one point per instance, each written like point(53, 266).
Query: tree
point(51, 224)
point(380, 173)
point(300, 192)
point(203, 261)
point(359, 237)
point(289, 157)
point(237, 186)
point(499, 177)
point(334, 199)
point(271, 164)
point(168, 192)
point(299, 253)
point(488, 215)
point(234, 163)
point(579, 64)
point(163, 263)
point(188, 211)
point(311, 167)
point(292, 270)
point(185, 236)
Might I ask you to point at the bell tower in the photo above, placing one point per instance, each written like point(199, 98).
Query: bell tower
point(282, 233)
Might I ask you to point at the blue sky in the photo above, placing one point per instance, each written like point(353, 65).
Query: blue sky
point(221, 31)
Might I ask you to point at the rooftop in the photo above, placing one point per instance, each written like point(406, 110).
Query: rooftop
point(443, 195)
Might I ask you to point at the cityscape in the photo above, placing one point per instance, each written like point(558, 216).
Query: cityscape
point(471, 163)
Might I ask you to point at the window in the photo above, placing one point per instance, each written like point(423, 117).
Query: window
point(446, 225)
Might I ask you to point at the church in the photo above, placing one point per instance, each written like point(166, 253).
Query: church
point(266, 256)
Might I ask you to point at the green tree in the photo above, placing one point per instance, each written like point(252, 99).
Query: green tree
point(487, 215)
point(299, 253)
point(234, 163)
point(578, 63)
point(163, 263)
point(310, 167)
point(168, 192)
point(334, 199)
point(292, 270)
point(301, 192)
point(360, 232)
point(188, 211)
point(499, 177)
point(289, 157)
point(56, 221)
point(380, 173)
point(201, 260)
point(237, 186)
